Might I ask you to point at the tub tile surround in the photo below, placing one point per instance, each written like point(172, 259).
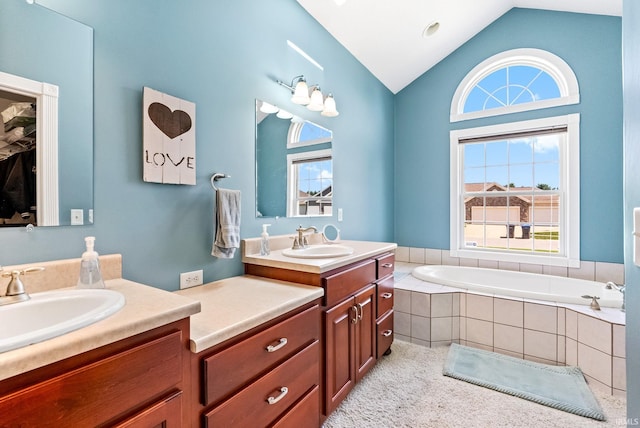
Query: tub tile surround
point(589, 270)
point(557, 334)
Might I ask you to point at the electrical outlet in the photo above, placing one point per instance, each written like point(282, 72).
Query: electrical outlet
point(339, 214)
point(190, 279)
point(77, 217)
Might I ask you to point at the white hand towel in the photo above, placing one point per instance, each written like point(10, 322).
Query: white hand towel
point(227, 224)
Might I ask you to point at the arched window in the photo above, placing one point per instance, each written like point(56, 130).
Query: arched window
point(515, 186)
point(515, 81)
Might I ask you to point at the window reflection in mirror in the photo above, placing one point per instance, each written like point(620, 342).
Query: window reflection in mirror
point(294, 165)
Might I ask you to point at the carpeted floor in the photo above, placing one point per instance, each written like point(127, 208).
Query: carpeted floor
point(407, 389)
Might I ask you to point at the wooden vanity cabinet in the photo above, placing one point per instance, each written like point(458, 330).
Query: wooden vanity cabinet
point(135, 382)
point(385, 293)
point(267, 376)
point(357, 319)
point(350, 349)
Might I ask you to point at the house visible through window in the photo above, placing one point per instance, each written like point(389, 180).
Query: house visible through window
point(310, 184)
point(511, 184)
point(515, 186)
point(515, 191)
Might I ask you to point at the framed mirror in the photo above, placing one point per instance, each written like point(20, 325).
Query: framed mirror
point(46, 101)
point(294, 165)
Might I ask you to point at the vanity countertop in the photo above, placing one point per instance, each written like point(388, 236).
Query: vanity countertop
point(234, 305)
point(146, 308)
point(361, 251)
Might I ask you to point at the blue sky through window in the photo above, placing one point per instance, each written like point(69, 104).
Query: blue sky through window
point(315, 176)
point(511, 85)
point(523, 162)
point(312, 132)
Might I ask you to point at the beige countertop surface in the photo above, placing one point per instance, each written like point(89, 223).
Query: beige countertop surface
point(146, 308)
point(361, 251)
point(234, 305)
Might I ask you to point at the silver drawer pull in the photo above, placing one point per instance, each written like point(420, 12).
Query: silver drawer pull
point(283, 391)
point(387, 265)
point(386, 295)
point(274, 348)
point(387, 333)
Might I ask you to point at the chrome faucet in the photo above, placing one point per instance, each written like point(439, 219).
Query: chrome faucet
point(621, 288)
point(300, 241)
point(15, 290)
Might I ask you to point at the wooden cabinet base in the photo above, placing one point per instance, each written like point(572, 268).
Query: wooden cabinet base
point(121, 383)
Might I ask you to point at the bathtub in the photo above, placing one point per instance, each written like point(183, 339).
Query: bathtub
point(519, 284)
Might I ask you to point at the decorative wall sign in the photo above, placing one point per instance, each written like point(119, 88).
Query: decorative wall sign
point(169, 138)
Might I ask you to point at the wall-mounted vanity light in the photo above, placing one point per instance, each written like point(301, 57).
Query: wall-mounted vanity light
point(314, 102)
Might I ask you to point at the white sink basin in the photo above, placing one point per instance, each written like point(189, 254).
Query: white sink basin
point(318, 252)
point(53, 313)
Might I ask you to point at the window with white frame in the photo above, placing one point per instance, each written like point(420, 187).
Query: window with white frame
point(515, 191)
point(515, 187)
point(514, 81)
point(310, 183)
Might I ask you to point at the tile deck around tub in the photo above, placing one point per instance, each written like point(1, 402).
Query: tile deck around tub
point(553, 333)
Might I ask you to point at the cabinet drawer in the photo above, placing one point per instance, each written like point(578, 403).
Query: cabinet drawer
point(98, 392)
point(344, 284)
point(385, 295)
point(251, 407)
point(306, 413)
point(385, 264)
point(228, 370)
point(385, 333)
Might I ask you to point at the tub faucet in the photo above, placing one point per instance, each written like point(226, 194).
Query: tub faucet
point(594, 302)
point(15, 290)
point(621, 288)
point(300, 241)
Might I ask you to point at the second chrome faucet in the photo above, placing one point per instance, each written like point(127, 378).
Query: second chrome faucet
point(300, 241)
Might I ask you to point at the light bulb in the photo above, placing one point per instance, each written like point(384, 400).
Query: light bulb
point(283, 114)
point(268, 108)
point(330, 109)
point(301, 93)
point(316, 103)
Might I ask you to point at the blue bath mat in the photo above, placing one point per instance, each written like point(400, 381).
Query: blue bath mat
point(562, 388)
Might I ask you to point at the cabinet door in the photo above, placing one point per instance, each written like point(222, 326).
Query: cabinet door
point(164, 414)
point(340, 353)
point(365, 331)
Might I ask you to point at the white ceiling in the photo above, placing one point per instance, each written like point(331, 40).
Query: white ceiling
point(386, 35)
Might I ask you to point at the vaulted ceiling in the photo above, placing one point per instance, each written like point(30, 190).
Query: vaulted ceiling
point(388, 36)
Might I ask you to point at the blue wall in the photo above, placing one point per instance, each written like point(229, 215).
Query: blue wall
point(221, 56)
point(591, 46)
point(631, 60)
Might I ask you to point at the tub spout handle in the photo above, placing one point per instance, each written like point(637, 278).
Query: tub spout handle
point(594, 302)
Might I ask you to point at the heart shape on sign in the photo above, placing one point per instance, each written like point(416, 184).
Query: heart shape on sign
point(171, 123)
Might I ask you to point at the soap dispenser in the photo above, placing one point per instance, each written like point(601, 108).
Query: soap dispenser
point(90, 276)
point(264, 242)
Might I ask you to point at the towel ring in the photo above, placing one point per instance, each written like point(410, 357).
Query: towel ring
point(217, 176)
